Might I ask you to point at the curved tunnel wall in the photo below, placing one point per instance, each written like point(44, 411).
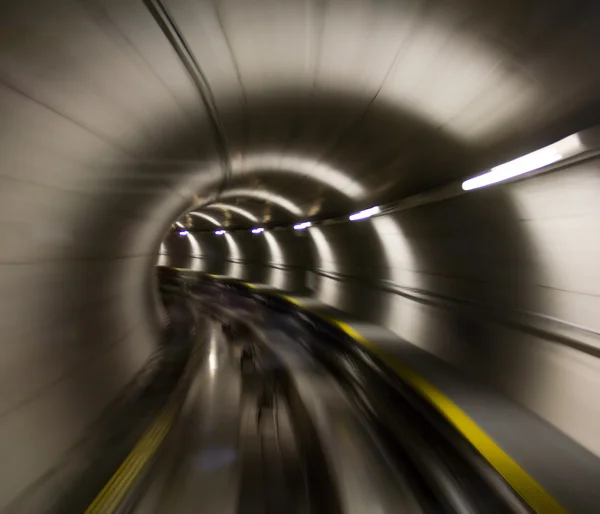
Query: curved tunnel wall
point(103, 138)
point(502, 283)
point(77, 320)
point(83, 208)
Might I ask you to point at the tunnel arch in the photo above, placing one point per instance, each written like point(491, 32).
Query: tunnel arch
point(234, 208)
point(105, 143)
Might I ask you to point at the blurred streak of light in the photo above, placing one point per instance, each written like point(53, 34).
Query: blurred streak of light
point(219, 232)
point(367, 213)
point(163, 256)
point(207, 218)
point(196, 253)
point(258, 230)
point(277, 276)
point(213, 348)
point(293, 164)
point(398, 315)
point(329, 290)
point(562, 149)
point(261, 194)
point(235, 268)
point(212, 362)
point(234, 208)
point(520, 166)
point(302, 226)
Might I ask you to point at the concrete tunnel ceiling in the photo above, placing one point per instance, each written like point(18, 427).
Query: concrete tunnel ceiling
point(405, 126)
point(328, 107)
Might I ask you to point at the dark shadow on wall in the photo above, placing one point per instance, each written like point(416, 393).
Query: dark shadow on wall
point(178, 250)
point(298, 258)
point(214, 252)
point(392, 152)
point(356, 253)
point(473, 249)
point(254, 253)
point(353, 134)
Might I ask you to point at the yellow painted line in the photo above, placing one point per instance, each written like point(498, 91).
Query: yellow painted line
point(109, 499)
point(148, 449)
point(291, 299)
point(113, 493)
point(531, 491)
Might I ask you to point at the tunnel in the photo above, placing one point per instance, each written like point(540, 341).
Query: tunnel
point(236, 139)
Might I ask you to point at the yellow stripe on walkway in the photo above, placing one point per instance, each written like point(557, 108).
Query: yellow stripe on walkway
point(115, 490)
point(531, 491)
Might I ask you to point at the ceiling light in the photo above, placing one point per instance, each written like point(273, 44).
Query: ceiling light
point(183, 233)
point(367, 213)
point(258, 230)
point(219, 232)
point(302, 226)
point(511, 169)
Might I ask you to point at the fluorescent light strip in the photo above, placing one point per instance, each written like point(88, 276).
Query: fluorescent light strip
point(183, 233)
point(302, 226)
point(219, 232)
point(526, 164)
point(258, 230)
point(367, 213)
